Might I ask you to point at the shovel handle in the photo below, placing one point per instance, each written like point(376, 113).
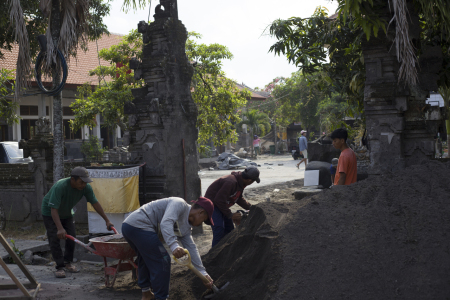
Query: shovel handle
point(193, 269)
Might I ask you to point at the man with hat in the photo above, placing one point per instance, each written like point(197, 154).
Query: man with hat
point(168, 220)
point(57, 212)
point(224, 193)
point(303, 147)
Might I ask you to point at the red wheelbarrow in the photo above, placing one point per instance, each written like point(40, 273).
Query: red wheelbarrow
point(118, 250)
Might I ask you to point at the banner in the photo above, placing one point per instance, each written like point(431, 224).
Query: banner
point(117, 190)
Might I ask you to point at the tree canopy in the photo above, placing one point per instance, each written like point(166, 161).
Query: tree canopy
point(216, 96)
point(333, 45)
point(109, 98)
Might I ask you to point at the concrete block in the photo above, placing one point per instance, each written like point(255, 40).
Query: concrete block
point(28, 257)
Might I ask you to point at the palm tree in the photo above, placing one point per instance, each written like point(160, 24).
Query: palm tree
point(67, 28)
point(257, 122)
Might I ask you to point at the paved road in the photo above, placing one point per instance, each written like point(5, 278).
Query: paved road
point(269, 174)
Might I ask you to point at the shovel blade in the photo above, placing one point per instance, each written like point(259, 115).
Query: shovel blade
point(218, 291)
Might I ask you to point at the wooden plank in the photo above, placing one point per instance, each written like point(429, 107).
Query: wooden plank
point(17, 282)
point(17, 260)
point(9, 286)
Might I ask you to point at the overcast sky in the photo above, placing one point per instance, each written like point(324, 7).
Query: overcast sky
point(237, 24)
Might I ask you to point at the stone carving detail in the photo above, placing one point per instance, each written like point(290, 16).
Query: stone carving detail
point(163, 113)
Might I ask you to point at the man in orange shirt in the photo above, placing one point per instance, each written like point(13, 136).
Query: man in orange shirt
point(346, 169)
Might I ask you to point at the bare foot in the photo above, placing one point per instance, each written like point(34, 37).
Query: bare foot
point(147, 295)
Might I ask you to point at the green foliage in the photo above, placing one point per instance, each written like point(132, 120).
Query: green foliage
point(109, 98)
point(37, 23)
point(333, 46)
point(257, 122)
point(299, 98)
point(92, 149)
point(271, 105)
point(8, 107)
point(329, 46)
point(16, 250)
point(216, 96)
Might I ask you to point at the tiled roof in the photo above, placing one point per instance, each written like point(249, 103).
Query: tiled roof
point(255, 95)
point(78, 68)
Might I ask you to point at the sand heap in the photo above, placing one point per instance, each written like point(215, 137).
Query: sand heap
point(382, 238)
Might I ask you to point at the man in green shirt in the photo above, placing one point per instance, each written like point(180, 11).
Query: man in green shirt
point(57, 212)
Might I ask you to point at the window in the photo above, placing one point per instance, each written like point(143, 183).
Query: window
point(68, 133)
point(29, 110)
point(27, 128)
point(67, 111)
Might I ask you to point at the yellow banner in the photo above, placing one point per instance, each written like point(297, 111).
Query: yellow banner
point(116, 190)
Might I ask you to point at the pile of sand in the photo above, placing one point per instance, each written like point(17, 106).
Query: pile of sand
point(382, 238)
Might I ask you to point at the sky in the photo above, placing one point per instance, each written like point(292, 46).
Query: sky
point(237, 24)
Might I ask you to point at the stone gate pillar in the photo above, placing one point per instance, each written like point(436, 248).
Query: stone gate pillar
point(163, 114)
point(395, 112)
point(40, 148)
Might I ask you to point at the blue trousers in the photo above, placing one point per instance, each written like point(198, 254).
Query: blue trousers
point(153, 260)
point(222, 226)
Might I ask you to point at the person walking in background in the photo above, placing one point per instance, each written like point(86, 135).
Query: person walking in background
point(303, 147)
point(256, 144)
point(346, 171)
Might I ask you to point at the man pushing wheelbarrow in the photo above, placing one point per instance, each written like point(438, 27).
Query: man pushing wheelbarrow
point(57, 212)
point(166, 219)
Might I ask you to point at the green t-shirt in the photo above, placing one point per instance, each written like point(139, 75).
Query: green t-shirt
point(63, 198)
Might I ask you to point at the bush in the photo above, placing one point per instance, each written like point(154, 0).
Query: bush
point(92, 149)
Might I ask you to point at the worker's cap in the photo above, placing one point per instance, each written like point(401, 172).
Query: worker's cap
point(208, 206)
point(82, 173)
point(303, 131)
point(251, 172)
point(334, 162)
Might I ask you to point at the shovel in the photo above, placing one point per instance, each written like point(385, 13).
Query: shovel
point(187, 263)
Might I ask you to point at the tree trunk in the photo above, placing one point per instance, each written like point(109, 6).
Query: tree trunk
point(58, 139)
point(251, 135)
point(447, 127)
point(275, 136)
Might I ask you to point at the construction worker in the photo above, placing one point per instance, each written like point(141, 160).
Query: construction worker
point(58, 216)
point(346, 171)
point(224, 193)
point(169, 219)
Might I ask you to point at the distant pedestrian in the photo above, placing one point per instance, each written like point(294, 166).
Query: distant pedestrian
point(346, 171)
point(303, 147)
point(256, 145)
point(333, 167)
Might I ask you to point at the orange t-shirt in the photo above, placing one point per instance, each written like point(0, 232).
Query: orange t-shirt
point(347, 165)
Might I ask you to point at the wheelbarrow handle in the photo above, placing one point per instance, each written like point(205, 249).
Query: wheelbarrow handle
point(113, 229)
point(86, 246)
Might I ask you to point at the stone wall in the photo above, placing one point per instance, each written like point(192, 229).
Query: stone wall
point(17, 193)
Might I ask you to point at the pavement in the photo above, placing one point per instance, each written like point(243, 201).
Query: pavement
point(273, 169)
